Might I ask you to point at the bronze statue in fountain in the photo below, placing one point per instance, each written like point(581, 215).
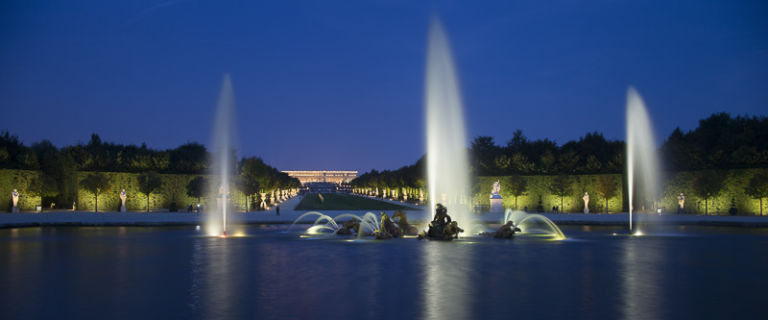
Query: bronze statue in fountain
point(402, 222)
point(442, 227)
point(349, 227)
point(388, 229)
point(507, 231)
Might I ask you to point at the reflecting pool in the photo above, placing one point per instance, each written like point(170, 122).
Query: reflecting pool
point(177, 272)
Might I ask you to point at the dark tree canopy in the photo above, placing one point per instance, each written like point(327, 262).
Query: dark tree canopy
point(561, 187)
point(606, 188)
point(196, 187)
point(719, 142)
point(96, 183)
point(43, 186)
point(517, 187)
point(707, 185)
point(757, 188)
point(148, 183)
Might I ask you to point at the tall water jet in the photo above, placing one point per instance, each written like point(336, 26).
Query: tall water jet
point(447, 160)
point(222, 160)
point(642, 159)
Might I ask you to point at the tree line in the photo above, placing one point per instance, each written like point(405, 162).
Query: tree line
point(720, 142)
point(58, 179)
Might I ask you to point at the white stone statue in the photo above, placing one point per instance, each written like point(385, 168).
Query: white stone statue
point(497, 201)
point(681, 202)
point(496, 188)
point(263, 203)
point(15, 199)
point(586, 202)
point(123, 195)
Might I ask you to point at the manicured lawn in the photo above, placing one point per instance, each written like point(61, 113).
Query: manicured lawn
point(340, 201)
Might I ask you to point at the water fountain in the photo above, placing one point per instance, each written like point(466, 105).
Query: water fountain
point(642, 159)
point(532, 223)
point(447, 159)
point(327, 225)
point(222, 161)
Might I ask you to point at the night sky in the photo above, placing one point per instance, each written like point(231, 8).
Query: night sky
point(339, 84)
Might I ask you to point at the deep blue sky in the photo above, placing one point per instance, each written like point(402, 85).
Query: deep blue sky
point(339, 84)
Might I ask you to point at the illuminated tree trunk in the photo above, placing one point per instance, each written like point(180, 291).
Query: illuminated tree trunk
point(148, 202)
point(706, 207)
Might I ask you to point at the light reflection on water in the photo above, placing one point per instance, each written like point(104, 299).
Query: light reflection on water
point(640, 281)
point(445, 281)
point(173, 273)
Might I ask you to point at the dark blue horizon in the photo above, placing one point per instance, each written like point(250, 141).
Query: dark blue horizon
point(337, 85)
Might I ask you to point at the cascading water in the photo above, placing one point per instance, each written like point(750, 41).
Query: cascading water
point(447, 159)
point(642, 160)
point(327, 225)
point(533, 224)
point(222, 160)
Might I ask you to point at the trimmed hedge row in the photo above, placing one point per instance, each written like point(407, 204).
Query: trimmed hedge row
point(538, 188)
point(17, 179)
point(173, 190)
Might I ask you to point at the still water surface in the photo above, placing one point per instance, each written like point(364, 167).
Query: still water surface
point(174, 272)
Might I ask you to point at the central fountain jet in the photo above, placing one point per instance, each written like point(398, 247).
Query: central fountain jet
point(642, 159)
point(222, 160)
point(447, 159)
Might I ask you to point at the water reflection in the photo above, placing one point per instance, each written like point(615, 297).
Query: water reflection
point(446, 289)
point(218, 274)
point(74, 273)
point(641, 285)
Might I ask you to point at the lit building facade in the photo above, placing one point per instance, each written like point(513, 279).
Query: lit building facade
point(324, 176)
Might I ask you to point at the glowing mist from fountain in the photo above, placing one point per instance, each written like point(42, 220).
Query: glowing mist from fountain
point(222, 160)
point(642, 160)
point(447, 160)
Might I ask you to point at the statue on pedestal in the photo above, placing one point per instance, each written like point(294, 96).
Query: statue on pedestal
point(497, 201)
point(15, 200)
point(123, 195)
point(586, 202)
point(263, 203)
point(680, 203)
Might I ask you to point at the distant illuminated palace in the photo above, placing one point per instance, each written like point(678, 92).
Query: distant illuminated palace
point(335, 177)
